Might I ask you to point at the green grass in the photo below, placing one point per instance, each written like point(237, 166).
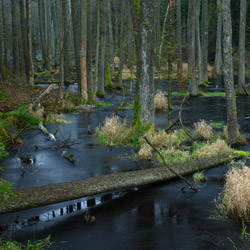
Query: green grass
point(103, 104)
point(199, 177)
point(130, 106)
point(211, 94)
point(31, 245)
point(217, 124)
point(179, 94)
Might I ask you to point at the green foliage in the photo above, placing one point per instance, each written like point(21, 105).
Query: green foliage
point(6, 191)
point(211, 94)
point(199, 177)
point(36, 245)
point(22, 118)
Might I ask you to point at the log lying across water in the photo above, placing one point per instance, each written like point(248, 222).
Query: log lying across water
point(55, 193)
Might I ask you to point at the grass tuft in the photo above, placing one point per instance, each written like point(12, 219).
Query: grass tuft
point(203, 131)
point(160, 101)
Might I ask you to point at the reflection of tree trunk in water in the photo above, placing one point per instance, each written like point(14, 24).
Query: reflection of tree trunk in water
point(55, 193)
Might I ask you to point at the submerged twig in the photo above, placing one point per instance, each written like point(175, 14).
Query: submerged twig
point(170, 169)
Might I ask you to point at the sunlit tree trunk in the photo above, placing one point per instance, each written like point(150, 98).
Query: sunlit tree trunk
point(146, 80)
point(228, 73)
point(242, 44)
point(218, 55)
point(193, 89)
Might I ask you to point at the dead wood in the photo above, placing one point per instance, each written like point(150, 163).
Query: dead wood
point(60, 192)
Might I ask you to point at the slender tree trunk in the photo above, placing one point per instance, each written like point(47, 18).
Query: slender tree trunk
point(193, 89)
point(97, 41)
point(84, 84)
point(121, 49)
point(111, 39)
point(135, 13)
point(198, 43)
point(1, 52)
point(30, 59)
point(170, 56)
point(146, 80)
point(228, 73)
point(6, 68)
point(101, 66)
point(65, 37)
point(24, 37)
point(180, 83)
point(218, 55)
point(91, 90)
point(15, 50)
point(62, 48)
point(205, 39)
point(242, 44)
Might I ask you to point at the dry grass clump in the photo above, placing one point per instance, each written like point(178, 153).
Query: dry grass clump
point(236, 194)
point(209, 150)
point(145, 152)
point(160, 101)
point(203, 130)
point(174, 156)
point(162, 139)
point(113, 132)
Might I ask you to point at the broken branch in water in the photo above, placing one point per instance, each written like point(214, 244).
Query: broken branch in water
point(181, 177)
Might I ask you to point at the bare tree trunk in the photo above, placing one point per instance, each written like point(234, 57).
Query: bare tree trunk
point(1, 52)
point(24, 38)
point(198, 43)
point(121, 47)
point(180, 84)
point(65, 36)
point(30, 59)
point(5, 60)
point(111, 39)
point(91, 89)
point(218, 55)
point(77, 42)
point(41, 9)
point(15, 50)
point(242, 44)
point(205, 39)
point(84, 84)
point(228, 73)
point(193, 89)
point(62, 48)
point(97, 41)
point(146, 81)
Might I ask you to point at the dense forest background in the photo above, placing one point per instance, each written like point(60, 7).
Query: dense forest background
point(97, 36)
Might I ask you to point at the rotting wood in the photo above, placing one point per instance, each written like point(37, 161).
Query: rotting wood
point(55, 193)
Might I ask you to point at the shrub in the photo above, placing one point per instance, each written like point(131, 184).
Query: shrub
point(163, 140)
point(174, 156)
point(203, 130)
point(113, 132)
point(160, 101)
point(199, 177)
point(209, 150)
point(145, 152)
point(236, 194)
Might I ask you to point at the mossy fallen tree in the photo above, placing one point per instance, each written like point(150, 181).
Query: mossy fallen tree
point(55, 193)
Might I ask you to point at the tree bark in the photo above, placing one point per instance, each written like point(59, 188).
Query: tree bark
point(15, 50)
point(205, 39)
point(180, 84)
point(6, 68)
point(30, 59)
point(146, 80)
point(242, 44)
point(198, 43)
point(193, 89)
point(228, 73)
point(110, 38)
point(60, 192)
point(218, 55)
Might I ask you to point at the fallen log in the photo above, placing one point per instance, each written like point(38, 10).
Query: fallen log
point(55, 193)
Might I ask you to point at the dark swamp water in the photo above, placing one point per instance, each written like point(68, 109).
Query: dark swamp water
point(155, 217)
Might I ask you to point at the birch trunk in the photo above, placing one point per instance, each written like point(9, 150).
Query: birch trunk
point(146, 80)
point(228, 73)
